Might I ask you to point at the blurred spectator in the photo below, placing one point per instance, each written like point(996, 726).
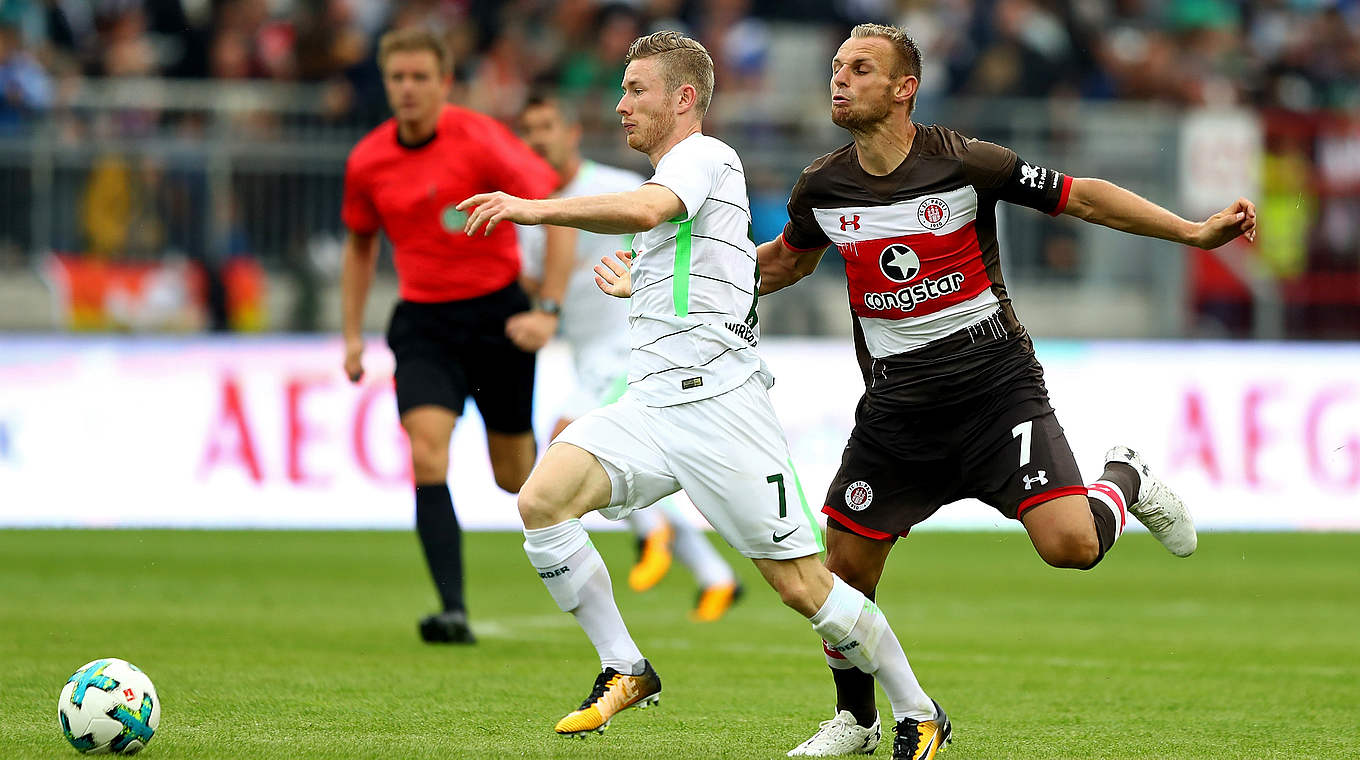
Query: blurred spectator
point(1296, 59)
point(591, 75)
point(120, 209)
point(1292, 53)
point(24, 85)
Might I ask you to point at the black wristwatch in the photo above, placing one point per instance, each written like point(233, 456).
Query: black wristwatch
point(549, 306)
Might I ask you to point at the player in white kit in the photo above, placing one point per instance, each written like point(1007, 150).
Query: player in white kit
point(595, 326)
point(697, 414)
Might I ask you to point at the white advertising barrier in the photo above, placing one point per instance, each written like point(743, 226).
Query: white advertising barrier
point(266, 432)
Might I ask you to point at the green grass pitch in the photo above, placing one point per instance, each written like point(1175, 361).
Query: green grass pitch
point(303, 645)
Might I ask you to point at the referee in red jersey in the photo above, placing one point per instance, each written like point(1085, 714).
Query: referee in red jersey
point(463, 326)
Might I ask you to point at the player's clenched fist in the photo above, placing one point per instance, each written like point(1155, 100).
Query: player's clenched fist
point(493, 208)
point(354, 360)
point(1237, 219)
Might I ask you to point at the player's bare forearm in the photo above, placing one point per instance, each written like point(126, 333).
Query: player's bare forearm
point(531, 330)
point(1104, 203)
point(559, 258)
point(611, 213)
point(781, 266)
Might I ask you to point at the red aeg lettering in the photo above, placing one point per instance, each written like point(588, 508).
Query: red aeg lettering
point(1318, 451)
point(299, 432)
point(231, 422)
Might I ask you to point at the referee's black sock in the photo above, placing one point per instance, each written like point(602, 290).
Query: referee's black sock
point(443, 541)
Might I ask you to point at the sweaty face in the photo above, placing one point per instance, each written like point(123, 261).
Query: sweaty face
point(861, 83)
point(646, 108)
point(548, 133)
point(415, 88)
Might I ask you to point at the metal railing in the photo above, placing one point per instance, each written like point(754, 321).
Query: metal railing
point(139, 168)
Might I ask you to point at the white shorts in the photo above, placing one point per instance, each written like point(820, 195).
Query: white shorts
point(601, 370)
point(729, 454)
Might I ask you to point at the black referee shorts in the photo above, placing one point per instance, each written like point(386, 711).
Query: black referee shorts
point(449, 350)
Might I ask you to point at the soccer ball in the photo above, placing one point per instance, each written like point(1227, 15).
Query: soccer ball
point(109, 705)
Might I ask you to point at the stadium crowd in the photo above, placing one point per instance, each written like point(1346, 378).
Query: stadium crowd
point(1296, 54)
point(1296, 62)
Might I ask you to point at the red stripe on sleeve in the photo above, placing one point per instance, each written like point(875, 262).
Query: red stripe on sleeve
point(1056, 493)
point(785, 242)
point(1062, 199)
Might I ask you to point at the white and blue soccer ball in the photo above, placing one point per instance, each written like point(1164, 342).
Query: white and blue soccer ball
point(109, 705)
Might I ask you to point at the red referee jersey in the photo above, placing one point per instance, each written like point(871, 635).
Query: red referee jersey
point(411, 194)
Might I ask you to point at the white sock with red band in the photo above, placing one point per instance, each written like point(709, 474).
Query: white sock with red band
point(853, 626)
point(1108, 493)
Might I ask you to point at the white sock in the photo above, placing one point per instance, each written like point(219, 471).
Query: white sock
point(644, 522)
point(1108, 493)
point(835, 660)
point(853, 627)
point(693, 548)
point(576, 577)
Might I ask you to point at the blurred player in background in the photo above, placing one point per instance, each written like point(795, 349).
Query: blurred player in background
point(464, 325)
point(595, 326)
point(698, 414)
point(955, 404)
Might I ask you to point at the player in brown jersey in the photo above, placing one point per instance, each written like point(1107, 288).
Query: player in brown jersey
point(955, 404)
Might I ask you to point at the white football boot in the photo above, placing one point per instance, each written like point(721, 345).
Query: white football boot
point(1158, 508)
point(840, 736)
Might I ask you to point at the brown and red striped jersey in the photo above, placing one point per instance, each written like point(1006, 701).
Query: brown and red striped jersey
point(922, 262)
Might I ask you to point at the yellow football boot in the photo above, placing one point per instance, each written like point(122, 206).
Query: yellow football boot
point(613, 693)
point(922, 739)
point(654, 561)
point(715, 601)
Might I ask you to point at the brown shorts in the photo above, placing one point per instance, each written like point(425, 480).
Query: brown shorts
point(899, 468)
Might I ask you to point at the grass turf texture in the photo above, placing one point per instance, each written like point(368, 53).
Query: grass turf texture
point(303, 645)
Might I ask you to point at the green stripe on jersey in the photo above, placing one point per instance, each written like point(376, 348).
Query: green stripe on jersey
point(680, 282)
point(616, 390)
point(812, 520)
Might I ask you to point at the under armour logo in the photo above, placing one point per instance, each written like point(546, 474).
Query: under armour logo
point(847, 222)
point(1041, 480)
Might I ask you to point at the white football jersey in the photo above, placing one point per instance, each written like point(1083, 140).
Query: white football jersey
point(693, 310)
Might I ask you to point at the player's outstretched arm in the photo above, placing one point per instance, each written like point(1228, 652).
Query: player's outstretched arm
point(613, 277)
point(610, 214)
point(1101, 202)
point(781, 266)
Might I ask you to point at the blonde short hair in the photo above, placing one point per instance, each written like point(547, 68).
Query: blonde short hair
point(415, 39)
point(908, 55)
point(683, 62)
